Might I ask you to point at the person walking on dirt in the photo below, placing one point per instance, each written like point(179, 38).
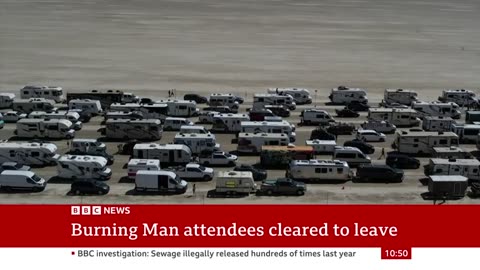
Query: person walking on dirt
point(382, 155)
point(193, 189)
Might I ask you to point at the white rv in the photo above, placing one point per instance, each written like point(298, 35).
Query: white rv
point(315, 117)
point(49, 92)
point(269, 127)
point(379, 126)
point(159, 181)
point(233, 182)
point(6, 100)
point(228, 122)
point(300, 95)
point(197, 143)
point(21, 180)
point(90, 106)
point(447, 109)
point(124, 115)
point(140, 129)
point(397, 117)
point(33, 104)
point(461, 97)
point(467, 133)
point(194, 129)
point(70, 116)
point(437, 123)
point(83, 167)
point(260, 100)
point(423, 142)
point(322, 146)
point(469, 168)
point(253, 142)
point(175, 123)
point(180, 108)
point(400, 96)
point(319, 170)
point(135, 165)
point(168, 154)
point(220, 99)
point(345, 95)
point(42, 128)
point(88, 147)
point(32, 154)
point(352, 155)
point(152, 111)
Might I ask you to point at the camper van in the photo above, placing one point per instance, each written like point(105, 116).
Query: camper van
point(461, 97)
point(42, 128)
point(194, 129)
point(33, 104)
point(175, 123)
point(322, 146)
point(397, 117)
point(106, 98)
point(91, 147)
point(315, 117)
point(149, 111)
point(400, 96)
point(319, 170)
point(469, 168)
point(437, 123)
point(83, 167)
point(70, 116)
point(32, 154)
point(228, 122)
point(466, 133)
point(379, 126)
point(124, 115)
point(423, 142)
point(260, 100)
point(180, 108)
point(269, 127)
point(352, 155)
point(233, 182)
point(48, 92)
point(21, 180)
point(300, 95)
point(197, 143)
point(90, 106)
point(6, 100)
point(134, 165)
point(168, 154)
point(448, 109)
point(253, 142)
point(219, 99)
point(345, 95)
point(159, 181)
point(139, 129)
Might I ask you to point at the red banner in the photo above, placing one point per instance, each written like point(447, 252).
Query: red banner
point(392, 227)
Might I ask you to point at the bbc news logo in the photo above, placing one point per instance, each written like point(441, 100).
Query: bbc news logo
point(86, 210)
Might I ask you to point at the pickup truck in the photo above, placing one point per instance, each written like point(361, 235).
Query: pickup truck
point(218, 159)
point(283, 186)
point(193, 171)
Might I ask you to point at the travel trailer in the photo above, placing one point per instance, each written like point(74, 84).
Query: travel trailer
point(139, 129)
point(106, 98)
point(6, 100)
point(159, 181)
point(322, 146)
point(447, 186)
point(300, 95)
point(228, 122)
point(397, 117)
point(70, 116)
point(134, 165)
point(423, 142)
point(315, 117)
point(42, 128)
point(33, 104)
point(319, 170)
point(461, 97)
point(345, 95)
point(469, 168)
point(21, 180)
point(197, 143)
point(149, 111)
point(233, 182)
point(180, 108)
point(168, 154)
point(269, 127)
point(448, 109)
point(253, 142)
point(260, 100)
point(219, 99)
point(88, 106)
point(83, 167)
point(175, 123)
point(32, 154)
point(466, 133)
point(437, 123)
point(352, 155)
point(54, 93)
point(452, 152)
point(400, 96)
point(123, 115)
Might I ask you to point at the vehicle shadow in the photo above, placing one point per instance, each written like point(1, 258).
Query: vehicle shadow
point(133, 192)
point(60, 180)
point(214, 194)
point(18, 191)
point(439, 199)
point(423, 181)
point(126, 179)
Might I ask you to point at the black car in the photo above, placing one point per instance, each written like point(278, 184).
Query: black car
point(347, 113)
point(197, 98)
point(366, 148)
point(258, 174)
point(238, 99)
point(278, 110)
point(358, 107)
point(402, 161)
point(88, 186)
point(322, 134)
point(146, 101)
point(341, 129)
point(379, 173)
point(220, 109)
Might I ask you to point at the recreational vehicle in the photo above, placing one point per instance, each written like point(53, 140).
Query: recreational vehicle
point(54, 93)
point(315, 117)
point(152, 111)
point(466, 133)
point(159, 181)
point(423, 142)
point(279, 157)
point(464, 167)
point(124, 115)
point(447, 109)
point(233, 182)
point(352, 155)
point(452, 152)
point(461, 97)
point(91, 147)
point(168, 154)
point(33, 104)
point(278, 110)
point(83, 167)
point(300, 95)
point(322, 146)
point(193, 129)
point(6, 100)
point(88, 106)
point(32, 154)
point(197, 143)
point(253, 142)
point(472, 117)
point(437, 123)
point(397, 117)
point(228, 122)
point(379, 126)
point(260, 100)
point(400, 96)
point(269, 127)
point(70, 116)
point(175, 123)
point(180, 108)
point(139, 129)
point(105, 98)
point(345, 95)
point(447, 186)
point(13, 116)
point(319, 170)
point(224, 100)
point(135, 165)
point(42, 128)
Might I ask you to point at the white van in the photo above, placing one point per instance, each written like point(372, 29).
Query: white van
point(233, 182)
point(175, 123)
point(352, 155)
point(194, 129)
point(159, 181)
point(6, 100)
point(315, 117)
point(83, 167)
point(28, 180)
point(90, 106)
point(319, 170)
point(135, 165)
